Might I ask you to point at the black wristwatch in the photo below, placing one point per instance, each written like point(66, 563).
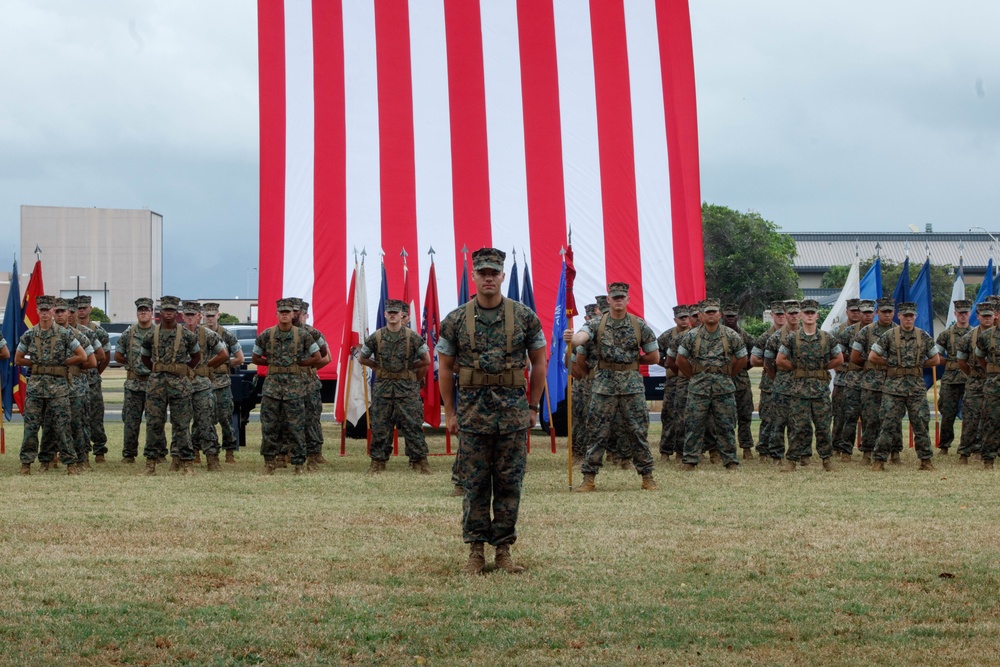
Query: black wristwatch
point(536, 408)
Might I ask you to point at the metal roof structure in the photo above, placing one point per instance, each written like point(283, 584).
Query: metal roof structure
point(818, 251)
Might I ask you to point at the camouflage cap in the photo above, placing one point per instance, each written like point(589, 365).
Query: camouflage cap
point(886, 303)
point(73, 303)
point(602, 303)
point(170, 302)
point(854, 304)
point(809, 306)
point(591, 310)
point(488, 258)
point(792, 306)
point(908, 308)
point(730, 309)
point(867, 306)
point(210, 308)
point(44, 302)
point(395, 306)
point(708, 305)
point(144, 302)
point(305, 305)
point(994, 299)
point(985, 307)
point(285, 305)
point(617, 289)
point(191, 308)
point(963, 306)
point(296, 302)
point(777, 307)
point(82, 300)
point(681, 311)
point(60, 304)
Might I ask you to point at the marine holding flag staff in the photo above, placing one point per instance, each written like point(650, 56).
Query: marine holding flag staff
point(488, 343)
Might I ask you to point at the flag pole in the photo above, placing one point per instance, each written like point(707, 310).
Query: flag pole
point(347, 393)
point(368, 420)
point(552, 426)
point(937, 422)
point(569, 410)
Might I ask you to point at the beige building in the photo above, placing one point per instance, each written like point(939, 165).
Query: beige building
point(114, 255)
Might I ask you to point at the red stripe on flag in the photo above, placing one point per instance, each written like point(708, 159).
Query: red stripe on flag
point(348, 339)
point(330, 169)
point(467, 110)
point(271, 57)
point(673, 23)
point(396, 162)
point(622, 257)
point(542, 150)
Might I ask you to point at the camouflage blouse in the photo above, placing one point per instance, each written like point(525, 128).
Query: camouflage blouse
point(391, 358)
point(619, 346)
point(782, 383)
point(220, 376)
point(175, 385)
point(810, 353)
point(947, 342)
point(48, 347)
point(130, 345)
point(872, 379)
point(966, 349)
point(210, 344)
point(711, 352)
point(849, 379)
point(101, 341)
point(284, 350)
point(913, 349)
point(758, 351)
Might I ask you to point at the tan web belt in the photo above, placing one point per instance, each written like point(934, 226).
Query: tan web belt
point(714, 370)
point(58, 371)
point(822, 375)
point(284, 370)
point(180, 370)
point(132, 375)
point(621, 368)
point(395, 375)
point(951, 366)
point(903, 372)
point(471, 377)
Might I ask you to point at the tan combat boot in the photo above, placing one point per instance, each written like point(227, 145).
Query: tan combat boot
point(894, 459)
point(25, 468)
point(804, 461)
point(988, 465)
point(963, 460)
point(311, 464)
point(187, 468)
point(505, 562)
point(477, 561)
point(281, 461)
point(732, 467)
point(150, 467)
point(664, 458)
point(689, 467)
point(269, 466)
point(588, 484)
point(86, 462)
point(320, 459)
point(197, 457)
point(457, 492)
point(713, 456)
point(213, 463)
point(99, 458)
point(300, 469)
point(175, 463)
point(878, 466)
point(44, 466)
point(827, 465)
point(230, 457)
point(747, 453)
point(925, 464)
point(866, 457)
point(421, 467)
point(73, 469)
point(648, 483)
point(789, 466)
point(845, 458)
point(128, 460)
point(376, 467)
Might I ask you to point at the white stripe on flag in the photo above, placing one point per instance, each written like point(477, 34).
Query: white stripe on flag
point(432, 148)
point(581, 158)
point(297, 278)
point(505, 127)
point(364, 207)
point(652, 171)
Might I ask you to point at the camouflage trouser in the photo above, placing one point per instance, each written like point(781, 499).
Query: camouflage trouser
point(224, 417)
point(680, 417)
point(871, 419)
point(581, 403)
point(203, 435)
point(803, 415)
point(892, 410)
point(626, 414)
point(991, 418)
point(851, 401)
point(667, 420)
point(780, 405)
point(764, 435)
point(837, 408)
point(78, 432)
point(405, 413)
point(283, 421)
point(972, 419)
point(744, 415)
point(50, 414)
point(720, 413)
point(314, 425)
point(157, 401)
point(95, 417)
point(132, 408)
point(950, 403)
point(491, 465)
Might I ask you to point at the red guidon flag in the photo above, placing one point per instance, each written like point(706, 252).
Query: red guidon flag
point(431, 392)
point(391, 124)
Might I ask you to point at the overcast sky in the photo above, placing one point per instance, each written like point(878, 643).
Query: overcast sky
point(823, 116)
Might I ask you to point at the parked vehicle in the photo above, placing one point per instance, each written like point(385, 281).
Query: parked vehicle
point(246, 334)
point(112, 342)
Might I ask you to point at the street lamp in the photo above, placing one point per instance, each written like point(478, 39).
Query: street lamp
point(77, 283)
point(983, 229)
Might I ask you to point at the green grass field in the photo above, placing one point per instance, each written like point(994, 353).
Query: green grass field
point(758, 567)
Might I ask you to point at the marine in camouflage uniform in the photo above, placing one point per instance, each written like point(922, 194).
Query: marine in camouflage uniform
point(973, 406)
point(314, 399)
point(744, 390)
point(711, 355)
point(953, 381)
point(872, 379)
point(616, 347)
point(222, 385)
point(170, 351)
point(288, 352)
point(906, 350)
point(852, 394)
point(757, 358)
point(79, 396)
point(987, 355)
point(398, 355)
point(214, 355)
point(681, 386)
point(781, 387)
point(47, 349)
point(837, 400)
point(668, 416)
point(581, 398)
point(809, 354)
point(488, 341)
point(128, 354)
point(95, 395)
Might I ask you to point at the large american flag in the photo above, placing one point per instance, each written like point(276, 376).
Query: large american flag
point(391, 124)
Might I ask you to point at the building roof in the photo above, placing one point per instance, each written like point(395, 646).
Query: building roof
point(816, 252)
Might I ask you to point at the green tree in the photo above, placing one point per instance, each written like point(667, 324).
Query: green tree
point(98, 315)
point(942, 280)
point(747, 260)
point(226, 318)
